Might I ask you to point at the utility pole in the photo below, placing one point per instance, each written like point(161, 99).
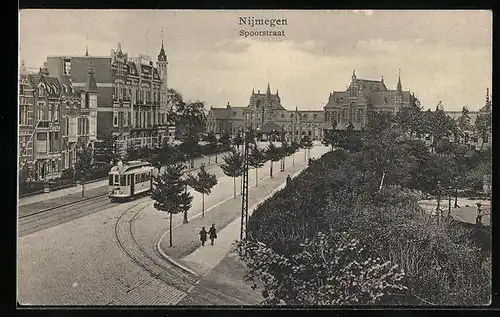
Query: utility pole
point(244, 192)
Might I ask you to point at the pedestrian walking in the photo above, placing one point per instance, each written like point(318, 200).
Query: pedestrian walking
point(479, 214)
point(212, 233)
point(203, 236)
point(288, 180)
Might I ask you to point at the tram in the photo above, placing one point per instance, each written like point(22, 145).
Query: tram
point(129, 179)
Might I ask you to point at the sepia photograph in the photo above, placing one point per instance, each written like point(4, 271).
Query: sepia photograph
point(254, 158)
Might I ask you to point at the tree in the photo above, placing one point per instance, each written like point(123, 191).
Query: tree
point(132, 154)
point(203, 184)
point(382, 147)
point(410, 118)
point(83, 165)
point(238, 141)
point(167, 155)
point(212, 145)
point(169, 194)
point(483, 127)
point(306, 144)
point(190, 118)
point(295, 147)
point(225, 140)
point(464, 125)
point(285, 151)
point(233, 166)
point(256, 159)
point(273, 154)
point(190, 147)
point(331, 138)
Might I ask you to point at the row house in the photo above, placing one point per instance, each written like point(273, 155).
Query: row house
point(55, 119)
point(45, 139)
point(132, 97)
point(26, 122)
point(79, 118)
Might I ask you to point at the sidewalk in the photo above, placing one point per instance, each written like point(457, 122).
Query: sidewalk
point(226, 215)
point(73, 194)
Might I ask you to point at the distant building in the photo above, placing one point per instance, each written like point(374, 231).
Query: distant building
point(471, 137)
point(266, 115)
point(362, 96)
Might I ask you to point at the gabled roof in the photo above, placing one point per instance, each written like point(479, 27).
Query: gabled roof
point(371, 85)
point(220, 113)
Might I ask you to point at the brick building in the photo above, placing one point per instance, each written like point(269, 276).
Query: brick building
point(131, 101)
point(362, 96)
point(55, 119)
point(267, 116)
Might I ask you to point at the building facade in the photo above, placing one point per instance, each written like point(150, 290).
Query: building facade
point(362, 96)
point(55, 120)
point(266, 115)
point(132, 98)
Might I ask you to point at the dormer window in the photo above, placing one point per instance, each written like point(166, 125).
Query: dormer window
point(40, 91)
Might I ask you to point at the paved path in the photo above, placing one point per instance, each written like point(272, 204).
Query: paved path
point(466, 212)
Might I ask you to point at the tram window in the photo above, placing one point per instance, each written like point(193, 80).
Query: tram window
point(110, 179)
point(137, 178)
point(123, 180)
point(129, 181)
point(116, 179)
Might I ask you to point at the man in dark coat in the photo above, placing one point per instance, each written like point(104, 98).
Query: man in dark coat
point(203, 236)
point(288, 180)
point(212, 233)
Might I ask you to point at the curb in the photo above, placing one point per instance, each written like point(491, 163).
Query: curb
point(172, 261)
point(251, 209)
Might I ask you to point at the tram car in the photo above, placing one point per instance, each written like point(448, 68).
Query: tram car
point(130, 179)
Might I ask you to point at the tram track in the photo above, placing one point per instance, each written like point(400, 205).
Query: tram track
point(177, 282)
point(37, 221)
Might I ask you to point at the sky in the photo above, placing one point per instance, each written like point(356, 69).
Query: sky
point(442, 55)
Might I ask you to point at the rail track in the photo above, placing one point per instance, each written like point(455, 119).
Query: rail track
point(176, 283)
point(43, 219)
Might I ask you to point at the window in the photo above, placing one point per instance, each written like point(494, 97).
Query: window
point(87, 125)
point(129, 119)
point(66, 126)
point(40, 91)
point(115, 118)
point(41, 136)
point(344, 112)
point(116, 179)
point(334, 116)
point(67, 66)
point(123, 180)
point(56, 113)
point(87, 100)
point(110, 180)
point(125, 118)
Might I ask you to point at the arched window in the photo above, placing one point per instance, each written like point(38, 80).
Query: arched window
point(344, 113)
point(334, 117)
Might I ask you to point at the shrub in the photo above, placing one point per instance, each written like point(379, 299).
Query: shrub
point(330, 269)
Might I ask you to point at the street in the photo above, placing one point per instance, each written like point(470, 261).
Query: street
point(109, 257)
